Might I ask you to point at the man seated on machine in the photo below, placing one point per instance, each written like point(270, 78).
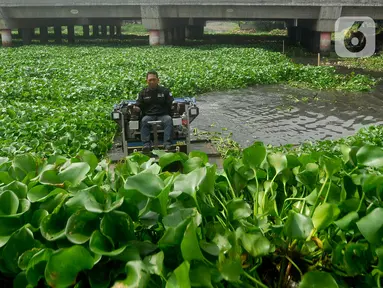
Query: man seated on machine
point(155, 102)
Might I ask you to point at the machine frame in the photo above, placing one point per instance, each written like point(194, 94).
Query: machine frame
point(184, 111)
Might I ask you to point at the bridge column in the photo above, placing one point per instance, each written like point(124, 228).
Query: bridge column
point(118, 30)
point(70, 34)
point(159, 28)
point(44, 35)
point(6, 37)
point(316, 34)
point(111, 31)
point(104, 31)
point(27, 35)
point(294, 34)
point(58, 34)
point(195, 28)
point(194, 32)
point(85, 31)
point(95, 31)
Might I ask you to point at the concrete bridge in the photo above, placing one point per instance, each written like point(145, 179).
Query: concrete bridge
point(170, 21)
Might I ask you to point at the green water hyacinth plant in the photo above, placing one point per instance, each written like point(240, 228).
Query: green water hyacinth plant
point(267, 219)
point(57, 100)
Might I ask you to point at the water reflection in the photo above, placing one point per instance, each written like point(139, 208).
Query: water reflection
point(280, 115)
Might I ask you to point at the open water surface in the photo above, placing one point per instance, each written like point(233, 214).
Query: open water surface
point(281, 115)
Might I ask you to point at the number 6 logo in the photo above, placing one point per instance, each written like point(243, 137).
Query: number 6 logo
point(355, 43)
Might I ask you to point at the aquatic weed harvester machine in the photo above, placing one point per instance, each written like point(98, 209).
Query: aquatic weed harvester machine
point(128, 140)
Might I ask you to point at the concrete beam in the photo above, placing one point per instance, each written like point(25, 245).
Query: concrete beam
point(35, 23)
point(87, 3)
point(123, 12)
point(240, 12)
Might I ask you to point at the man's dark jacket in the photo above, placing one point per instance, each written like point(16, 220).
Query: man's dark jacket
point(155, 102)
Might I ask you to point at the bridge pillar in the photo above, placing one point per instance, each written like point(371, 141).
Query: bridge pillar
point(118, 30)
point(27, 35)
point(194, 32)
point(111, 31)
point(95, 31)
point(104, 31)
point(294, 34)
point(6, 37)
point(160, 28)
point(156, 37)
point(44, 35)
point(85, 31)
point(70, 34)
point(58, 34)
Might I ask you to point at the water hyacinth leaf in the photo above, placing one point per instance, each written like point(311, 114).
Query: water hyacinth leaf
point(52, 227)
point(192, 164)
point(88, 157)
point(24, 258)
point(118, 227)
point(36, 266)
point(81, 225)
point(238, 209)
point(316, 279)
point(379, 253)
point(278, 161)
point(254, 155)
point(40, 192)
point(9, 203)
point(200, 276)
point(349, 186)
point(147, 184)
point(189, 183)
point(373, 184)
point(190, 245)
point(175, 225)
point(137, 275)
point(21, 241)
point(230, 268)
point(255, 244)
point(371, 156)
point(160, 203)
point(168, 158)
point(74, 173)
point(50, 177)
point(331, 165)
point(19, 188)
point(130, 253)
point(25, 162)
point(199, 155)
point(298, 226)
point(155, 263)
point(346, 221)
point(307, 178)
point(102, 245)
point(5, 177)
point(94, 200)
point(370, 228)
point(210, 248)
point(180, 277)
point(357, 257)
point(64, 265)
point(207, 185)
point(324, 215)
point(8, 225)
